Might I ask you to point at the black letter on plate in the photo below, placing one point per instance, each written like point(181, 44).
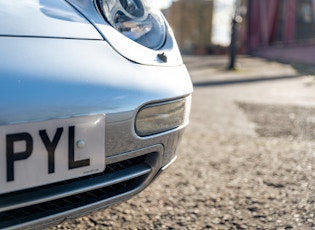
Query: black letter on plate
point(51, 147)
point(12, 156)
point(72, 163)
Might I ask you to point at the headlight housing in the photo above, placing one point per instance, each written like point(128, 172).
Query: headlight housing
point(137, 20)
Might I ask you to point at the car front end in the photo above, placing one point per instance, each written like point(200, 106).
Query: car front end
point(94, 101)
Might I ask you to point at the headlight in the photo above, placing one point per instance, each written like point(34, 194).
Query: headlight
point(137, 20)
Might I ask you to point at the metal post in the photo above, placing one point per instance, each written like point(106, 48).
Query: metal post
point(234, 30)
point(233, 45)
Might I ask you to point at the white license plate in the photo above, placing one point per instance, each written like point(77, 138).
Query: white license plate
point(39, 153)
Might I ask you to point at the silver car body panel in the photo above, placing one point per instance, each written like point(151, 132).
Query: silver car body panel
point(44, 18)
point(78, 68)
point(116, 86)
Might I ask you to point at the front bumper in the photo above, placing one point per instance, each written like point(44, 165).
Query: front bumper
point(51, 204)
point(88, 78)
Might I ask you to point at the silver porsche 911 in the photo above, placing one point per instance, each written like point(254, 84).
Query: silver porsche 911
point(94, 98)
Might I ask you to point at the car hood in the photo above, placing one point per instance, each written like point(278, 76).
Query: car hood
point(44, 18)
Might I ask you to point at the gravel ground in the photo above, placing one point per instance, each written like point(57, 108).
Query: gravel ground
point(246, 161)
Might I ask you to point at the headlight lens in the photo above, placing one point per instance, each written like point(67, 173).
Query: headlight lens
point(137, 20)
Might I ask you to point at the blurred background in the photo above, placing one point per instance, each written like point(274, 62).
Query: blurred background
point(278, 29)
